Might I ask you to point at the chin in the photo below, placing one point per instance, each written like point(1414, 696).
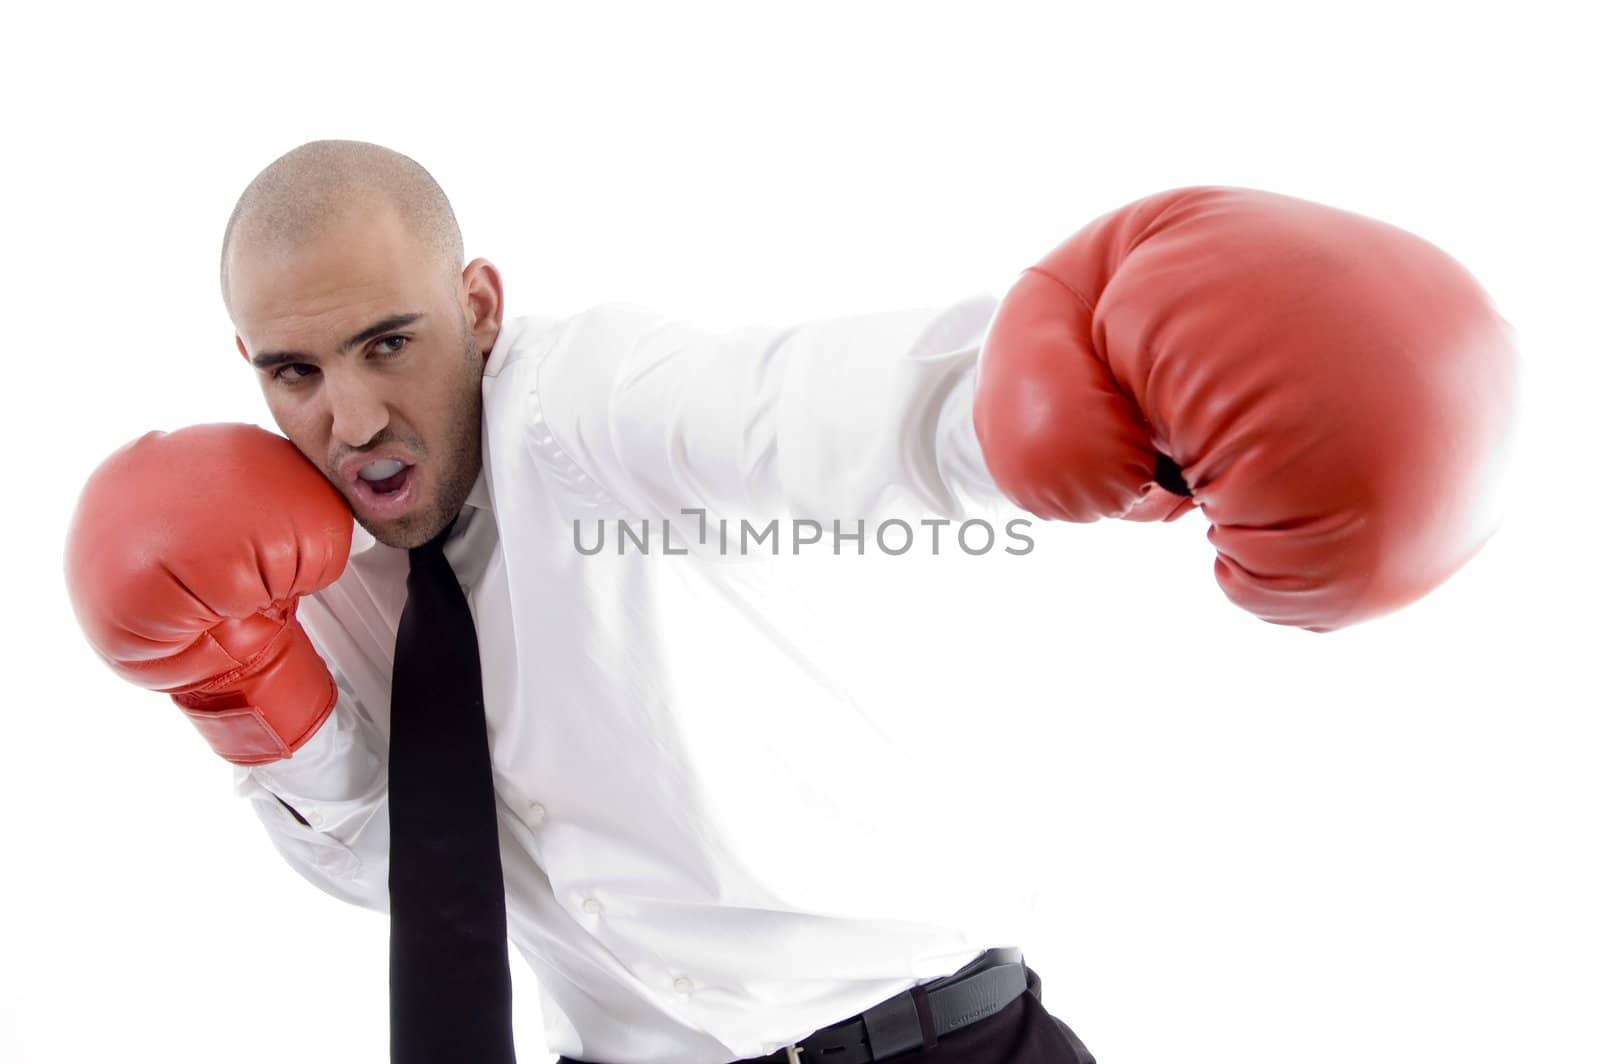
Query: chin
point(401, 534)
point(385, 534)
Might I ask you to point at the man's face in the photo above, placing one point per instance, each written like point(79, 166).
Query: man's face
point(365, 353)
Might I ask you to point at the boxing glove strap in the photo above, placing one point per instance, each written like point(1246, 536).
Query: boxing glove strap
point(268, 710)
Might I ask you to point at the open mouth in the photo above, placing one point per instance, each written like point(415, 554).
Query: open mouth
point(390, 496)
point(388, 485)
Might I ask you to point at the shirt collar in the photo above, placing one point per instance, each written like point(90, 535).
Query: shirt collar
point(478, 497)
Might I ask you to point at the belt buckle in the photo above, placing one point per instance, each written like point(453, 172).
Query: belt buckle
point(793, 1053)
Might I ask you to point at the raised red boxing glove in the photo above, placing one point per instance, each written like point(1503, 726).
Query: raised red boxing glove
point(1334, 393)
point(185, 559)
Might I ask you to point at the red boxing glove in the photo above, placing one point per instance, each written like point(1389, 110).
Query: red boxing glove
point(1336, 393)
point(185, 558)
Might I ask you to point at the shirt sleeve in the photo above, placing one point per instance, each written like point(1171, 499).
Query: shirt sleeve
point(325, 807)
point(859, 417)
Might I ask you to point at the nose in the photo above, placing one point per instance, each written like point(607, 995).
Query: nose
point(359, 412)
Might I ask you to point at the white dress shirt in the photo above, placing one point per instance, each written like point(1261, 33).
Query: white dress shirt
point(710, 847)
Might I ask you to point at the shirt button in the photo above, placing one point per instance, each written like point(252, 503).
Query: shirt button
point(313, 818)
point(535, 813)
point(682, 985)
point(591, 906)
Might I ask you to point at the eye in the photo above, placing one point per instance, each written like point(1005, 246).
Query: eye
point(399, 341)
point(277, 374)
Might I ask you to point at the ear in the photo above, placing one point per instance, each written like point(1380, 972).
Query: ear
point(482, 300)
point(240, 345)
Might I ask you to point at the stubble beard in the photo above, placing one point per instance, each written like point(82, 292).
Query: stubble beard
point(458, 463)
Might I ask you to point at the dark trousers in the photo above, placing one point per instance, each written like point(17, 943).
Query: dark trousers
point(1021, 1033)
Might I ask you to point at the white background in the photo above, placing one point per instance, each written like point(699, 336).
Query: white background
point(1259, 845)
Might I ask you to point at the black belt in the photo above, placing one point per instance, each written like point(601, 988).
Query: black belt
point(918, 1017)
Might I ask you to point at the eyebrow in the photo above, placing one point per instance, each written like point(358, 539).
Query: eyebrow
point(268, 359)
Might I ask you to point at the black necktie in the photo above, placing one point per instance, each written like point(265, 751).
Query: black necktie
point(449, 977)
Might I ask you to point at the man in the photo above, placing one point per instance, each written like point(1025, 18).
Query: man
point(678, 903)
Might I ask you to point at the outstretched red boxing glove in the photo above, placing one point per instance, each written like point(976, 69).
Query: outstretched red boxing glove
point(1334, 393)
point(185, 559)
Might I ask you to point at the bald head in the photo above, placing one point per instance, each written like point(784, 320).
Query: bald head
point(304, 192)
